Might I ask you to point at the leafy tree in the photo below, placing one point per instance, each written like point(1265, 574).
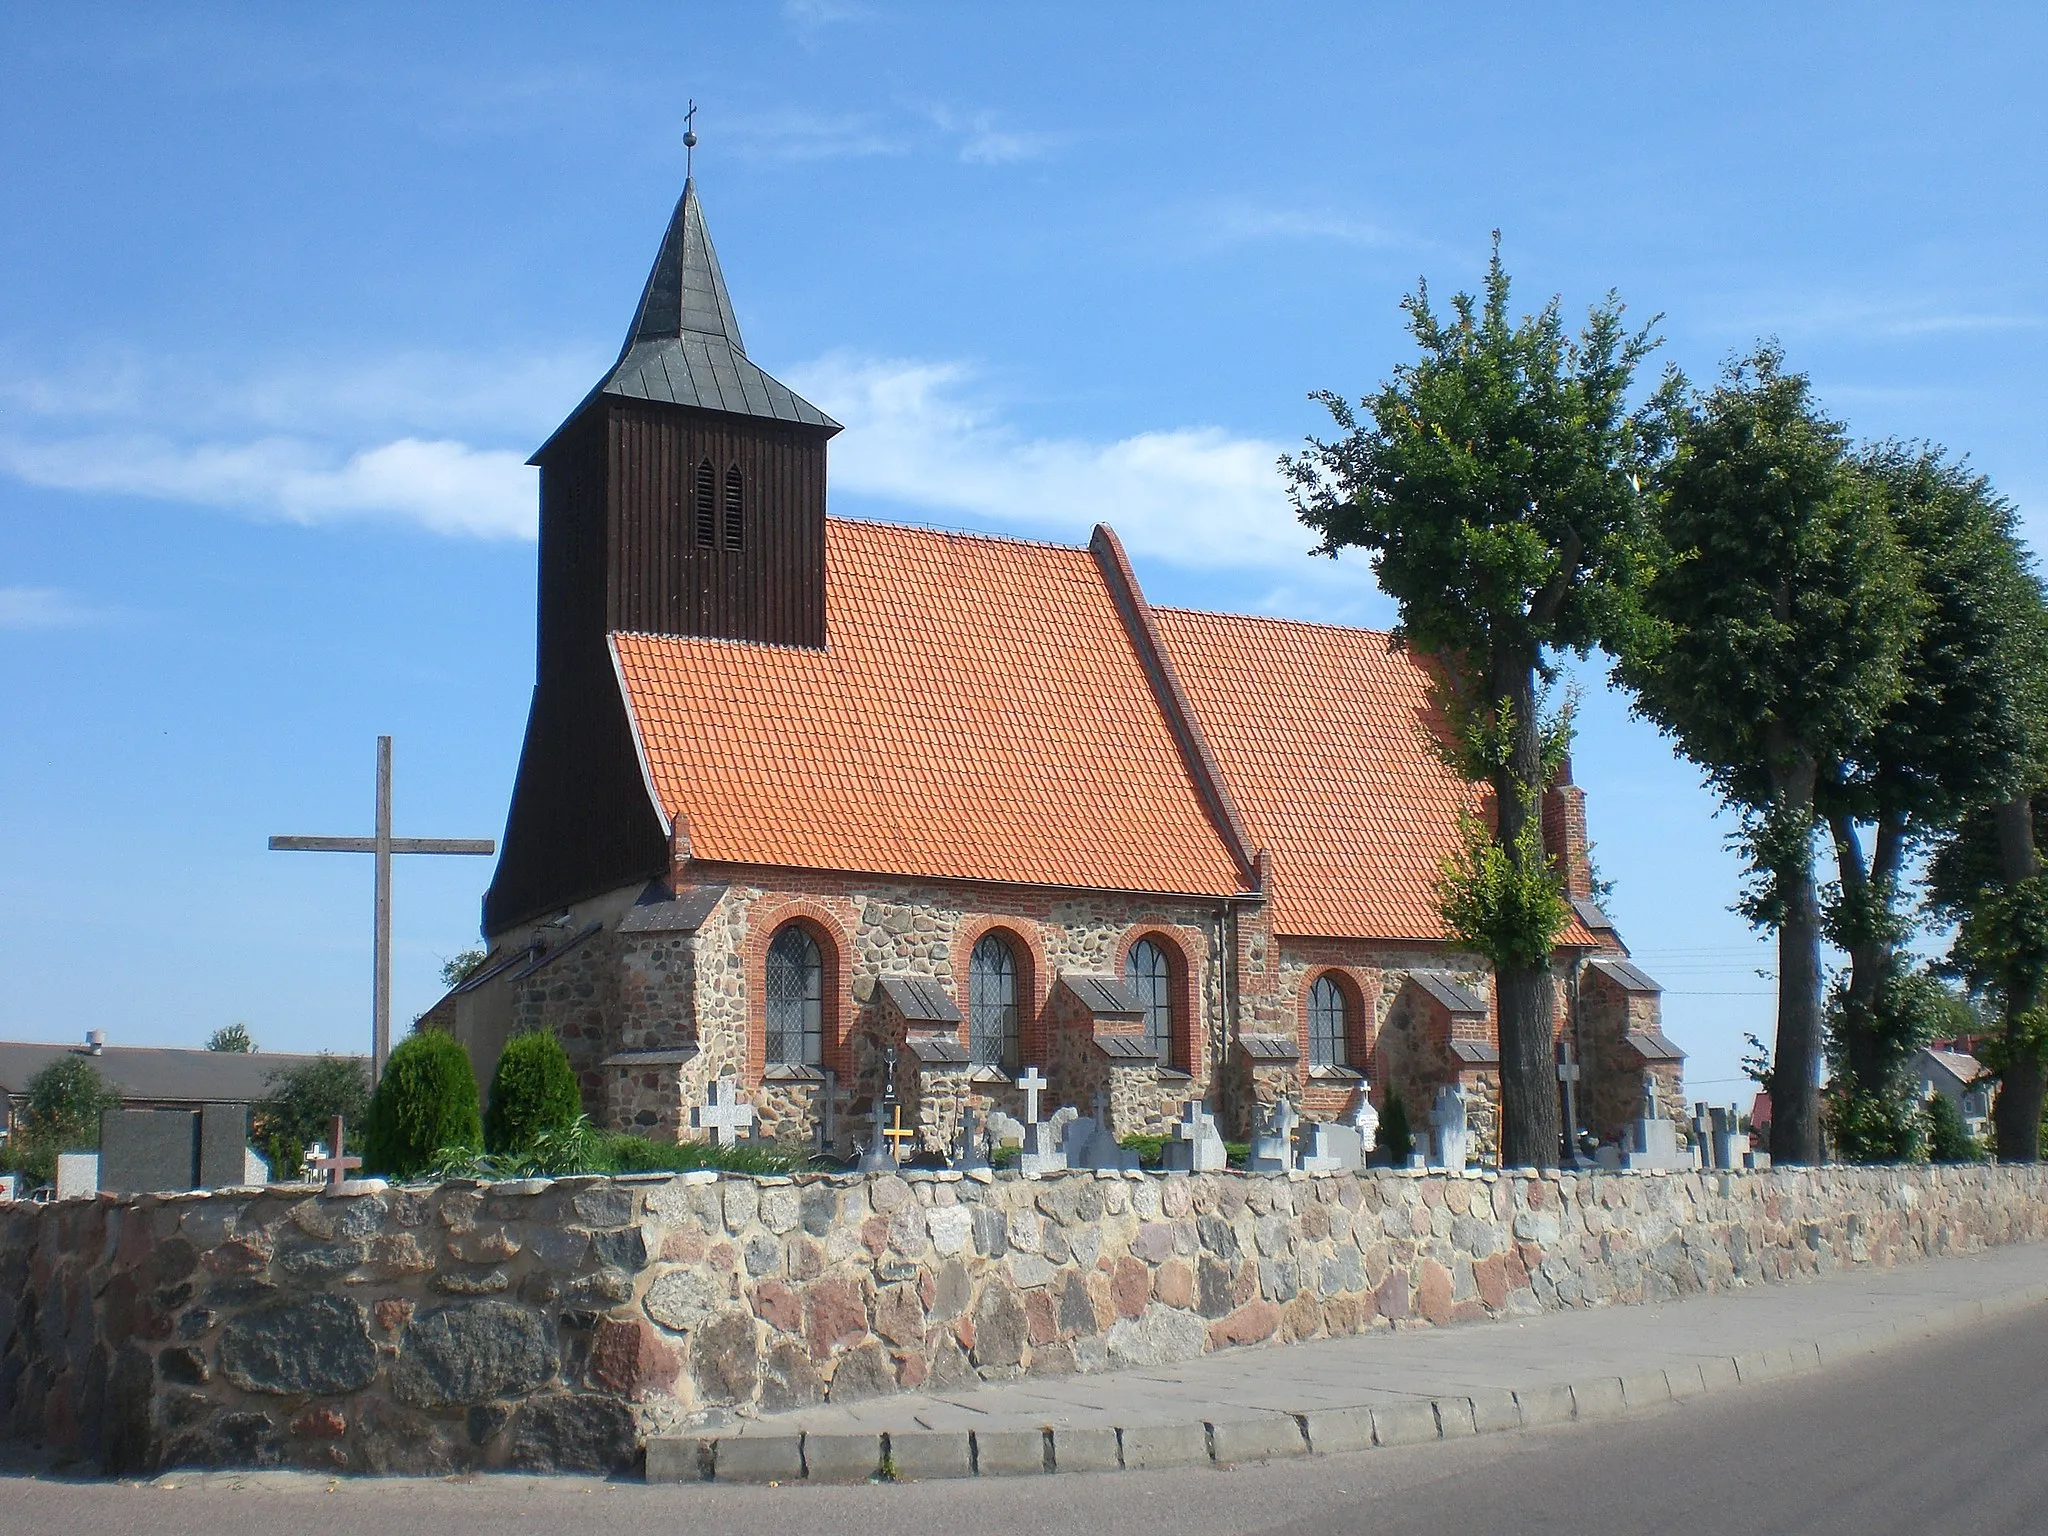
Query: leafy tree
point(533, 1091)
point(302, 1104)
point(59, 1112)
point(1986, 877)
point(1948, 1138)
point(424, 1105)
point(1957, 738)
point(459, 968)
point(232, 1038)
point(1497, 482)
point(1777, 622)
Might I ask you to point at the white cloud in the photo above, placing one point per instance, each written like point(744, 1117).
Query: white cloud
point(447, 487)
point(983, 143)
point(1199, 497)
point(45, 608)
point(794, 135)
point(1234, 222)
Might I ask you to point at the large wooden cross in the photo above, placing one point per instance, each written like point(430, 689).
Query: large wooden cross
point(383, 845)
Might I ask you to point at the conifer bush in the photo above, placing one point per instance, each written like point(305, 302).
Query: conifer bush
point(1396, 1142)
point(533, 1092)
point(425, 1104)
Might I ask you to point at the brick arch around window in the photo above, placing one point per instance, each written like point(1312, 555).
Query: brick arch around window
point(1358, 1031)
point(824, 927)
point(1033, 978)
point(1184, 982)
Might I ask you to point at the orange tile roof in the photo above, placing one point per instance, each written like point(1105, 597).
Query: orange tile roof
point(978, 713)
point(1319, 731)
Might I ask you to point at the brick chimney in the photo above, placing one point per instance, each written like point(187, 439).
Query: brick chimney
point(1564, 831)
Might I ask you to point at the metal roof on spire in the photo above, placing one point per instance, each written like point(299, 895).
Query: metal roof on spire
point(684, 347)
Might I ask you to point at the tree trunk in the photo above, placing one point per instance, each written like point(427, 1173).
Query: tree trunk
point(1867, 895)
point(1530, 1130)
point(1795, 1063)
point(2016, 1117)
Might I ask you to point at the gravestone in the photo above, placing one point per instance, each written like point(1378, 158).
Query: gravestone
point(1362, 1117)
point(1196, 1146)
point(1090, 1142)
point(725, 1115)
point(166, 1151)
point(824, 1111)
point(1653, 1140)
point(970, 1157)
point(1004, 1130)
point(10, 1184)
point(78, 1175)
point(1332, 1148)
point(1448, 1119)
point(877, 1156)
point(1273, 1146)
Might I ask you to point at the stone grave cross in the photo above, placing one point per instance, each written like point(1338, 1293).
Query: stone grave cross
point(898, 1133)
point(725, 1116)
point(337, 1165)
point(383, 845)
point(1033, 1084)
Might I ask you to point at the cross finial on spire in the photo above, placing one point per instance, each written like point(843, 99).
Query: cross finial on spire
point(690, 142)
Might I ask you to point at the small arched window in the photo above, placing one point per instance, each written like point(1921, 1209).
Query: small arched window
point(992, 1004)
point(706, 505)
point(735, 501)
point(1150, 980)
point(796, 999)
point(1327, 1021)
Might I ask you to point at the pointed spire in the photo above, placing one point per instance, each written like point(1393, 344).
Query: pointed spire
point(684, 347)
point(685, 291)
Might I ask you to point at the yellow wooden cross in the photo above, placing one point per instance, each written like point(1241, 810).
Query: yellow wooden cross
point(897, 1133)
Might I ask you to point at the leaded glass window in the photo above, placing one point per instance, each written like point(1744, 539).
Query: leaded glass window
point(1150, 980)
point(796, 999)
point(992, 1004)
point(1326, 1024)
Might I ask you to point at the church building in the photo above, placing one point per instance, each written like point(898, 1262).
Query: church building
point(803, 796)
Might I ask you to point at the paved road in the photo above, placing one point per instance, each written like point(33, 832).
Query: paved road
point(1946, 1435)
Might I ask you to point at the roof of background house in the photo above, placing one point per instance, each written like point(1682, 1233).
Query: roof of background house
point(1963, 1068)
point(157, 1074)
point(978, 713)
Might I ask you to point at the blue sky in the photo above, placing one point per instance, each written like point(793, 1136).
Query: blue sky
point(290, 294)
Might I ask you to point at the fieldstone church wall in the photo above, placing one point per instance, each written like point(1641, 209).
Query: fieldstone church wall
point(551, 1325)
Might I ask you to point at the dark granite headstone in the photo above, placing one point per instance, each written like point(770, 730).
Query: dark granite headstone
point(223, 1145)
point(157, 1151)
point(145, 1151)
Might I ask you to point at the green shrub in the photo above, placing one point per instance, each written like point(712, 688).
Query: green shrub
point(1238, 1153)
point(301, 1107)
point(59, 1112)
point(425, 1105)
point(1948, 1139)
point(1396, 1142)
point(533, 1091)
point(1151, 1150)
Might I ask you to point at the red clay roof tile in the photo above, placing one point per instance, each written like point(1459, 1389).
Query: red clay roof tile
point(978, 713)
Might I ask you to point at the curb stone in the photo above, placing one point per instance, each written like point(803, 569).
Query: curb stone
point(917, 1455)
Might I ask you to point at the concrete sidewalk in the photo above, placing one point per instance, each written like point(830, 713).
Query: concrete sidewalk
point(1376, 1389)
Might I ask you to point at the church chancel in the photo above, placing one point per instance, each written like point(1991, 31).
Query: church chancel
point(838, 815)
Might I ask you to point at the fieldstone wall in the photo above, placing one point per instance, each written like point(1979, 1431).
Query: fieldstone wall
point(553, 1324)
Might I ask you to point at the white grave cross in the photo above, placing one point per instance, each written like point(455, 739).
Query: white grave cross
point(725, 1116)
point(1033, 1085)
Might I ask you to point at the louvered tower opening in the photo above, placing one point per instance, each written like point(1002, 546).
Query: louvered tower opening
point(706, 505)
point(735, 516)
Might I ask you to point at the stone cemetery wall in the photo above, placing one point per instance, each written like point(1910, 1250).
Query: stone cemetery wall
point(551, 1325)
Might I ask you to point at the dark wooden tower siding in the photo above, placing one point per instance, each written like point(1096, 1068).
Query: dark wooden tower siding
point(682, 568)
point(684, 496)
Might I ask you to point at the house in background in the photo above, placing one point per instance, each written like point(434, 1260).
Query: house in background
point(146, 1076)
point(1958, 1077)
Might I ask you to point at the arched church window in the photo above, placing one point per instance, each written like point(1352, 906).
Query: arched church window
point(1150, 980)
point(992, 1004)
point(735, 499)
point(796, 999)
point(1327, 1022)
point(706, 504)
